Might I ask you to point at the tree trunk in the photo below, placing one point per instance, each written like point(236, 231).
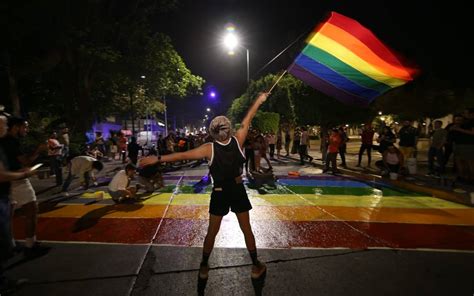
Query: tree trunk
point(15, 99)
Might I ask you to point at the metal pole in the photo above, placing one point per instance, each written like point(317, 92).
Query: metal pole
point(131, 111)
point(166, 117)
point(248, 66)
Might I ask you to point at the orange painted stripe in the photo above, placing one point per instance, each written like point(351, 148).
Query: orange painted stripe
point(360, 49)
point(106, 211)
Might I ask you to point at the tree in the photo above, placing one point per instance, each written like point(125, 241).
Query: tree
point(90, 54)
point(266, 121)
point(297, 103)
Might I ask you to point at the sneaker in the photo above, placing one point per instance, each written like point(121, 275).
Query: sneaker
point(204, 271)
point(258, 270)
point(65, 193)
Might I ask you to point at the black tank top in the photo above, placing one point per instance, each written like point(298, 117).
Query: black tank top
point(227, 161)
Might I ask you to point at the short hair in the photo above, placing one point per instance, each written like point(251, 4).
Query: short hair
point(220, 128)
point(15, 121)
point(97, 165)
point(130, 166)
point(438, 121)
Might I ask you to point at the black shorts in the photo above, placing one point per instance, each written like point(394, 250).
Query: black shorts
point(231, 196)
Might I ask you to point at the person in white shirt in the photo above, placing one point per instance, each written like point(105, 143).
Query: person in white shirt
point(119, 188)
point(55, 154)
point(83, 167)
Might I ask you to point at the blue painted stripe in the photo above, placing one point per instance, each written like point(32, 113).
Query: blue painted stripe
point(335, 78)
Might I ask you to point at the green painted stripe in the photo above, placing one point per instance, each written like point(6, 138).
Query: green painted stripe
point(343, 69)
point(356, 191)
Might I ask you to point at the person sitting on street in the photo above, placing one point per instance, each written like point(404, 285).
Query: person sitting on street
point(150, 177)
point(392, 160)
point(119, 188)
point(84, 167)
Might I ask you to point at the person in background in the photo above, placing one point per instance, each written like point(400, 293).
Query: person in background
point(133, 149)
point(64, 140)
point(150, 177)
point(6, 238)
point(367, 138)
point(385, 139)
point(303, 149)
point(100, 142)
point(437, 141)
point(84, 167)
point(343, 147)
point(408, 138)
point(333, 149)
point(462, 136)
point(287, 141)
point(270, 139)
point(391, 162)
point(119, 188)
point(22, 193)
point(55, 154)
point(122, 147)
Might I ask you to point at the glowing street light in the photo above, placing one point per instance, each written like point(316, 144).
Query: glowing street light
point(231, 42)
point(208, 109)
point(213, 94)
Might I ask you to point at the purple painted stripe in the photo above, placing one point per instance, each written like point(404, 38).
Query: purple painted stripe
point(168, 177)
point(335, 78)
point(322, 177)
point(326, 87)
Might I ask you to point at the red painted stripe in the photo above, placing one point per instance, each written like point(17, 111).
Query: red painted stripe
point(130, 231)
point(321, 234)
point(269, 234)
point(366, 36)
point(433, 236)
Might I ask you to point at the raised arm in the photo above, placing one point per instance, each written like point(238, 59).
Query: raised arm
point(203, 151)
point(244, 127)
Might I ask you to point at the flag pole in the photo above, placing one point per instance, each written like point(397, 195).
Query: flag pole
point(278, 80)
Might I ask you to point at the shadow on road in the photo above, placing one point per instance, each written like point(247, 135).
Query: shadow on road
point(91, 218)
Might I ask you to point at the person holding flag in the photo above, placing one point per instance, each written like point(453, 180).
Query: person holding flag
point(226, 159)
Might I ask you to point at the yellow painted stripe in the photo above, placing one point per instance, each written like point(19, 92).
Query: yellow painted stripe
point(348, 57)
point(364, 201)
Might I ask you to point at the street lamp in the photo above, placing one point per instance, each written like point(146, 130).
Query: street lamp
point(231, 41)
point(208, 109)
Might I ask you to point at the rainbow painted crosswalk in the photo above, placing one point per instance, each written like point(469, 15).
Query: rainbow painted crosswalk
point(314, 211)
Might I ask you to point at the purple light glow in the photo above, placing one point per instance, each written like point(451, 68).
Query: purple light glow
point(213, 94)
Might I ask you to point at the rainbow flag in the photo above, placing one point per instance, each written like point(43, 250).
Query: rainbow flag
point(346, 61)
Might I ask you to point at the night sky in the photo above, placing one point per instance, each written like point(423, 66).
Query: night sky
point(433, 36)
